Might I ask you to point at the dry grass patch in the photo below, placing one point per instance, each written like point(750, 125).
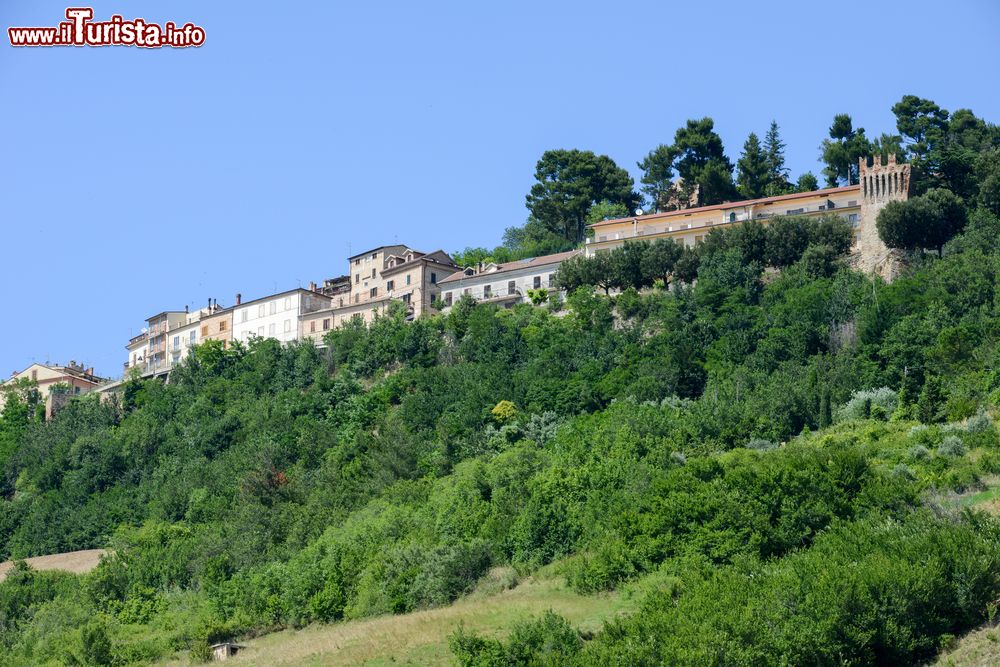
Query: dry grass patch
point(76, 562)
point(421, 638)
point(980, 648)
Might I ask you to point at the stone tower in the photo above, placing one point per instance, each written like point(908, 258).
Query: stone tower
point(880, 184)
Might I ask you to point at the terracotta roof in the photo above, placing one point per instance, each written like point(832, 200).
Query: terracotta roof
point(516, 265)
point(728, 205)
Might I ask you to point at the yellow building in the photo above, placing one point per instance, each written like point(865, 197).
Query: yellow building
point(858, 204)
point(690, 226)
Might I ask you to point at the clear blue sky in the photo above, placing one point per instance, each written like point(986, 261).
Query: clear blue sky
point(137, 181)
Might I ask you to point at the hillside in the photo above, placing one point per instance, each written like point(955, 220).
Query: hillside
point(786, 460)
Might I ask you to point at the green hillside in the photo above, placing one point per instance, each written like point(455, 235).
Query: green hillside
point(794, 465)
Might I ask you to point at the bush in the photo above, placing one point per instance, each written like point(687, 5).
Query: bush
point(761, 445)
point(952, 447)
point(869, 404)
point(549, 641)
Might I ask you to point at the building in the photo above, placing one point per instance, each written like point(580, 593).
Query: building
point(395, 272)
point(171, 335)
point(276, 316)
point(218, 324)
point(858, 204)
point(69, 380)
point(155, 359)
point(506, 283)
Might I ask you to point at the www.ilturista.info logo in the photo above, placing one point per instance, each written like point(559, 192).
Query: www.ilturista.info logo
point(81, 30)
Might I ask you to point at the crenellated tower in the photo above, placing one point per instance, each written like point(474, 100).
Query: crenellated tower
point(880, 184)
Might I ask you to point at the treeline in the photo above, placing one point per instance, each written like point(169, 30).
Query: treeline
point(637, 264)
point(955, 151)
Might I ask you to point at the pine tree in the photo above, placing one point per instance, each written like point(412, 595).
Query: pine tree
point(930, 404)
point(774, 153)
point(825, 412)
point(752, 169)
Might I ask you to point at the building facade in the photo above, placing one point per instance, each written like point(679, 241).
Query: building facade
point(858, 205)
point(276, 316)
point(506, 283)
point(71, 379)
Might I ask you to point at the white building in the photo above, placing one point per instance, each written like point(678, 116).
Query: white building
point(506, 283)
point(276, 316)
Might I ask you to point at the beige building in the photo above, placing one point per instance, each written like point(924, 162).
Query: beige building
point(73, 378)
point(217, 325)
point(170, 336)
point(395, 272)
point(506, 283)
point(857, 204)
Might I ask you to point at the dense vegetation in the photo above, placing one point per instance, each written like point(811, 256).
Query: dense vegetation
point(774, 452)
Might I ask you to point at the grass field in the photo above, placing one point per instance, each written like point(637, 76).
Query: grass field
point(421, 638)
point(76, 562)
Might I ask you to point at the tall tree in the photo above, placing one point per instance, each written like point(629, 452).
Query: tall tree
point(927, 221)
point(807, 182)
point(753, 170)
point(702, 162)
point(922, 124)
point(569, 183)
point(841, 151)
point(657, 177)
point(774, 153)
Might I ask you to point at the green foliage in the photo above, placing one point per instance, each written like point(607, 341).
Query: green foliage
point(569, 183)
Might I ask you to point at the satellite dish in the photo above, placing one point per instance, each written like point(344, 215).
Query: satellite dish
point(638, 211)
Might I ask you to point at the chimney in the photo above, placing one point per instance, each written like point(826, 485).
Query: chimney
point(186, 309)
point(90, 371)
point(239, 299)
point(312, 286)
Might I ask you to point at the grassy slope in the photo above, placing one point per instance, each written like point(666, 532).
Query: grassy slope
point(980, 648)
point(421, 638)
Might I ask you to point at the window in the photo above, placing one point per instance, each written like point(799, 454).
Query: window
point(830, 204)
point(244, 317)
point(511, 287)
point(34, 375)
point(274, 307)
point(406, 298)
point(373, 273)
point(374, 256)
point(288, 326)
point(374, 292)
point(407, 278)
point(204, 331)
point(312, 327)
point(357, 278)
point(536, 282)
point(434, 279)
point(390, 285)
point(326, 324)
point(177, 342)
point(732, 217)
point(447, 298)
point(552, 280)
point(487, 291)
point(795, 211)
point(222, 325)
point(260, 331)
point(270, 329)
point(468, 290)
point(192, 337)
point(288, 303)
point(357, 262)
point(260, 310)
point(357, 297)
point(340, 302)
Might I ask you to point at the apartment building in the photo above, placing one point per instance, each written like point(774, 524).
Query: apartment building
point(217, 325)
point(506, 283)
point(73, 378)
point(395, 272)
point(276, 316)
point(170, 336)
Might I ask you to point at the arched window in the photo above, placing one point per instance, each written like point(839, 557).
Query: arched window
point(732, 217)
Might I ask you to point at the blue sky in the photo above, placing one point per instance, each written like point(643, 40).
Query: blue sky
point(135, 181)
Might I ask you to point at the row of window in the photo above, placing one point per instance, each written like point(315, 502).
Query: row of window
point(536, 283)
point(263, 309)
